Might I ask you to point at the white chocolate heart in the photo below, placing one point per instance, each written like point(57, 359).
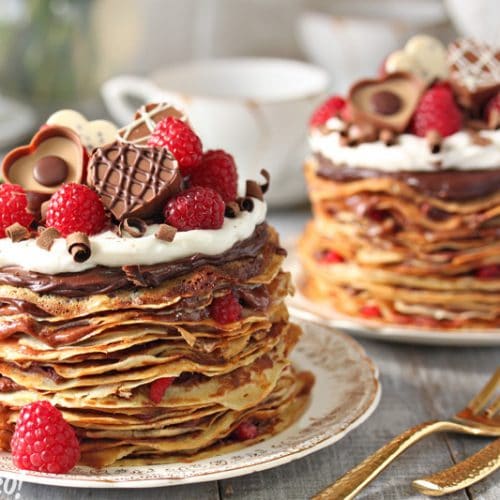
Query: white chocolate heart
point(92, 133)
point(423, 55)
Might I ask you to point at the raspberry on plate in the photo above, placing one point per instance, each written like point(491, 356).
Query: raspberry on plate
point(76, 208)
point(158, 388)
point(331, 107)
point(43, 441)
point(217, 170)
point(225, 309)
point(178, 137)
point(437, 110)
point(13, 207)
point(195, 208)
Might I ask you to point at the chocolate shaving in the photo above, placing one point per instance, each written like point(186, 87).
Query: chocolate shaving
point(47, 237)
point(16, 232)
point(254, 190)
point(166, 232)
point(479, 140)
point(78, 246)
point(232, 210)
point(246, 204)
point(388, 137)
point(494, 119)
point(133, 226)
point(264, 187)
point(434, 140)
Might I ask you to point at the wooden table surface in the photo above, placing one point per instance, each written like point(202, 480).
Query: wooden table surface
point(418, 383)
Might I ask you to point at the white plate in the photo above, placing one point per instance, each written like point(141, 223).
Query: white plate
point(303, 308)
point(345, 394)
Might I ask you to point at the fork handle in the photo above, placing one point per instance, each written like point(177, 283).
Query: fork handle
point(351, 483)
point(463, 474)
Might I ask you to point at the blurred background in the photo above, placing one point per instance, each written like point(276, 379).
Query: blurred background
point(58, 53)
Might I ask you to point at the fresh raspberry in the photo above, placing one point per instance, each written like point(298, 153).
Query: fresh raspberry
point(370, 312)
point(217, 170)
point(195, 208)
point(76, 208)
point(245, 431)
point(489, 272)
point(178, 137)
point(331, 257)
point(13, 207)
point(493, 105)
point(158, 388)
point(225, 309)
point(331, 107)
point(43, 441)
point(437, 111)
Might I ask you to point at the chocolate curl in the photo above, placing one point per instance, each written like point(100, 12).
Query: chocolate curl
point(264, 187)
point(494, 119)
point(166, 232)
point(254, 190)
point(78, 246)
point(434, 140)
point(246, 204)
point(232, 210)
point(47, 237)
point(16, 232)
point(387, 137)
point(133, 226)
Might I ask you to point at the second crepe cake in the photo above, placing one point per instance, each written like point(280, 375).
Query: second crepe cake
point(141, 299)
point(404, 179)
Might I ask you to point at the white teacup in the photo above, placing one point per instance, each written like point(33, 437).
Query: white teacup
point(254, 108)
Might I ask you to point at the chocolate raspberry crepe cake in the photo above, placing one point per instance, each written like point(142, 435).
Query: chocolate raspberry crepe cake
point(404, 179)
point(143, 299)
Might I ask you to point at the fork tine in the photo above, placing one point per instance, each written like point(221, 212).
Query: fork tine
point(493, 408)
point(478, 402)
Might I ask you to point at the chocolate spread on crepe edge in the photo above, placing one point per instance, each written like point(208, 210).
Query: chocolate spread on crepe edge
point(453, 185)
point(102, 279)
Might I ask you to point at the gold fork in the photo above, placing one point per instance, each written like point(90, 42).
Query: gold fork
point(479, 418)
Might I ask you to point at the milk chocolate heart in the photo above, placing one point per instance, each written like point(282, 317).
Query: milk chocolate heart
point(145, 121)
point(92, 133)
point(474, 71)
point(386, 103)
point(54, 156)
point(133, 181)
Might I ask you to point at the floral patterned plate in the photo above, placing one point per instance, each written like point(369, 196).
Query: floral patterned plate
point(345, 394)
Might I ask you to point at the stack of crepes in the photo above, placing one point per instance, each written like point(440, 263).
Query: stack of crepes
point(95, 337)
point(405, 185)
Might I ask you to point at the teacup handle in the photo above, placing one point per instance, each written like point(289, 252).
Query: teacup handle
point(117, 92)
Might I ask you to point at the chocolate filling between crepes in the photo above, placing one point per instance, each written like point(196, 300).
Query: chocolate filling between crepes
point(450, 184)
point(107, 280)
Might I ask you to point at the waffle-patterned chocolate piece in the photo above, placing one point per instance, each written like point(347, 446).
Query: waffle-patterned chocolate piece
point(474, 71)
point(133, 181)
point(145, 121)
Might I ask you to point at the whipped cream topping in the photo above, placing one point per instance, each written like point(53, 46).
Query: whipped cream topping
point(109, 249)
point(410, 153)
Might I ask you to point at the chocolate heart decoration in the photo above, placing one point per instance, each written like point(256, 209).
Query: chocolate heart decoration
point(474, 71)
point(92, 133)
point(133, 181)
point(386, 103)
point(145, 121)
point(54, 156)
